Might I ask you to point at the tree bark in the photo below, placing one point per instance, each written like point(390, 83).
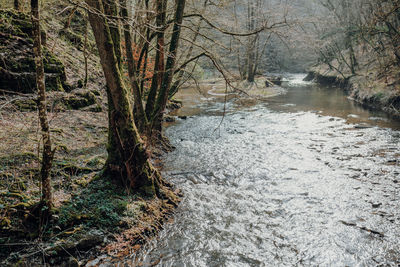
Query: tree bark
point(169, 69)
point(111, 10)
point(159, 66)
point(127, 160)
point(67, 23)
point(48, 154)
point(138, 105)
point(178, 81)
point(17, 5)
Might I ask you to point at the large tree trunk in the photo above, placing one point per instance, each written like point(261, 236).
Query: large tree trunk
point(47, 159)
point(111, 10)
point(251, 43)
point(127, 160)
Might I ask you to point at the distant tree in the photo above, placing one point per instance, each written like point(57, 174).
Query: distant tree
point(17, 5)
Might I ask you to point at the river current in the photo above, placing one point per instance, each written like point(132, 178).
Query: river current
point(307, 178)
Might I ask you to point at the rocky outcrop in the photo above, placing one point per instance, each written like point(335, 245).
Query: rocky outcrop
point(16, 57)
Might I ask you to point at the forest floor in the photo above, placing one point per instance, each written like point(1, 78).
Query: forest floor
point(92, 215)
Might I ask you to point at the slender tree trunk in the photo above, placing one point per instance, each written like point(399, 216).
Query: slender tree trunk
point(159, 67)
point(138, 105)
point(251, 44)
point(251, 60)
point(67, 23)
point(178, 82)
point(85, 53)
point(162, 98)
point(17, 5)
point(127, 158)
point(48, 154)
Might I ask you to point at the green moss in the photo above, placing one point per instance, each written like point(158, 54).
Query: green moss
point(18, 159)
point(25, 104)
point(101, 204)
point(18, 186)
point(17, 64)
point(379, 96)
point(15, 23)
point(72, 168)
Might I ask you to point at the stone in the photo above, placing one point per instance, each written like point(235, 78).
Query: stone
point(17, 66)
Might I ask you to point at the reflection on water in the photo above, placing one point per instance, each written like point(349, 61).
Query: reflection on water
point(331, 101)
point(289, 181)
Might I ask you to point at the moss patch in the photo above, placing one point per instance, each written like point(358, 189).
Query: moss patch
point(17, 66)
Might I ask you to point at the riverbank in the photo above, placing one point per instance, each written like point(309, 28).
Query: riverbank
point(370, 88)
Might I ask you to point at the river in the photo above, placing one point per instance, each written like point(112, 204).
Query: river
point(307, 178)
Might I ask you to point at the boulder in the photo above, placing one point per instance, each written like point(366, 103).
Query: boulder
point(79, 99)
point(17, 65)
point(273, 80)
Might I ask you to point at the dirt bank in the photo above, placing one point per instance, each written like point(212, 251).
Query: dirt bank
point(373, 89)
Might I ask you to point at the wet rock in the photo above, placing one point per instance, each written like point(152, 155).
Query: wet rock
point(376, 205)
point(362, 126)
point(182, 117)
point(273, 80)
point(91, 239)
point(310, 76)
point(174, 104)
point(169, 118)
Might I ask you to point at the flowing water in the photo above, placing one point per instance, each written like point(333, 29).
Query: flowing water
point(307, 178)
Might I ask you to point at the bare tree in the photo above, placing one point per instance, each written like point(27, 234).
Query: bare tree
point(48, 153)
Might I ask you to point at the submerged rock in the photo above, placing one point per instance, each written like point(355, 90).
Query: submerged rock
point(273, 80)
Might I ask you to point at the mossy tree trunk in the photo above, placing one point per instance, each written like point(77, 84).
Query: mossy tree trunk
point(179, 77)
point(127, 160)
point(48, 154)
point(159, 66)
point(138, 104)
point(165, 86)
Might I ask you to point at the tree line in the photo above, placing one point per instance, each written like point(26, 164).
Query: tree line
point(353, 31)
